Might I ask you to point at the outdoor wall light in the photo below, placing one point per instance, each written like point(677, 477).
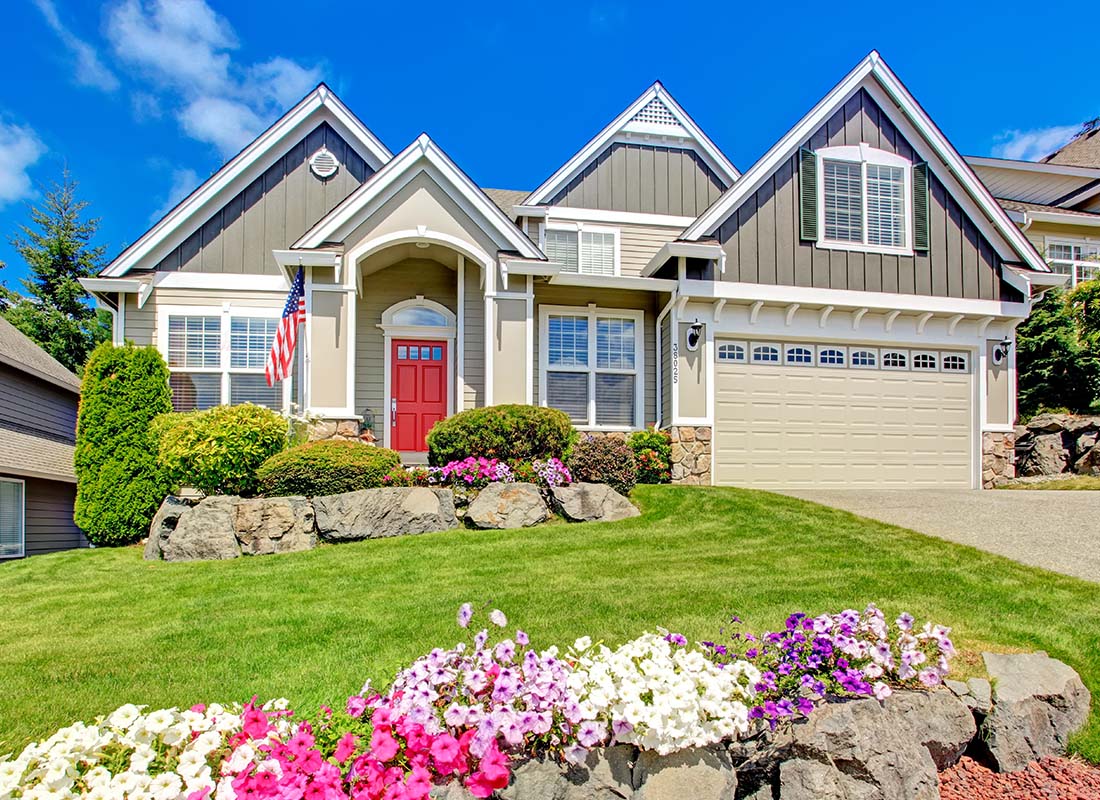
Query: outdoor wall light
point(694, 335)
point(1000, 350)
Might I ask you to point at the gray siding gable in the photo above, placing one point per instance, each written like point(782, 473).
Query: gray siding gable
point(762, 243)
point(272, 212)
point(643, 178)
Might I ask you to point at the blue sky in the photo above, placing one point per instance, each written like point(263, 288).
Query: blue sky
point(143, 99)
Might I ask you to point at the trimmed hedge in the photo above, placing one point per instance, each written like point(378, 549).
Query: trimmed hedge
point(604, 460)
point(508, 432)
point(652, 455)
point(218, 450)
point(327, 467)
point(119, 485)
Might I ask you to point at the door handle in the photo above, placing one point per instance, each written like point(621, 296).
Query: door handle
point(393, 412)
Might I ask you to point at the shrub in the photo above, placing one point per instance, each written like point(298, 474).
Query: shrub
point(118, 483)
point(508, 433)
point(219, 450)
point(652, 454)
point(327, 467)
point(604, 460)
point(1056, 365)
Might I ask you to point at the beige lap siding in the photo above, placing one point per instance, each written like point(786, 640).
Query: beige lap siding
point(329, 350)
point(639, 243)
point(510, 352)
point(140, 324)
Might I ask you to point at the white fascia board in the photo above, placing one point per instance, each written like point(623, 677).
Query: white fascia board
point(1039, 278)
point(101, 285)
point(574, 165)
point(220, 280)
point(320, 105)
point(613, 282)
point(686, 249)
point(539, 268)
point(569, 214)
point(1034, 166)
point(423, 152)
point(843, 298)
point(1064, 219)
point(306, 258)
point(521, 210)
point(1081, 196)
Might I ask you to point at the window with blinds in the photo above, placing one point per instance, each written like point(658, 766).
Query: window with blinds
point(885, 205)
point(843, 202)
point(11, 519)
point(590, 252)
point(869, 199)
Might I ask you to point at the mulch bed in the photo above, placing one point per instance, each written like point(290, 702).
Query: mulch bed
point(1045, 779)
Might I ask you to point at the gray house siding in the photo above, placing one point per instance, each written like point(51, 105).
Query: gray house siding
point(762, 243)
point(272, 212)
point(34, 406)
point(48, 521)
point(644, 179)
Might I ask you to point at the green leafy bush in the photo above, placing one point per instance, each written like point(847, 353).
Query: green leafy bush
point(119, 485)
point(218, 450)
point(604, 460)
point(652, 455)
point(1058, 365)
point(508, 433)
point(327, 467)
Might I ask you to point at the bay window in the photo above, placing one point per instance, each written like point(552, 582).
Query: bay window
point(584, 249)
point(591, 365)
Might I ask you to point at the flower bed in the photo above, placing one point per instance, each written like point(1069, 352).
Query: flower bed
point(466, 714)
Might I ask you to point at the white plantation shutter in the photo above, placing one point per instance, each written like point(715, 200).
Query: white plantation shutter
point(597, 253)
point(561, 247)
point(885, 205)
point(11, 519)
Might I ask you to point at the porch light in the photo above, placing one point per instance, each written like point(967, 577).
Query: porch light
point(423, 245)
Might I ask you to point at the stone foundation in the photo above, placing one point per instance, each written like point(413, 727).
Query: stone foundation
point(691, 454)
point(342, 429)
point(998, 458)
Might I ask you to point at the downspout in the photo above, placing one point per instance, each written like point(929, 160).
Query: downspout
point(660, 371)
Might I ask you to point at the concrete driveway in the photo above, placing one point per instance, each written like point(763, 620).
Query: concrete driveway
point(1057, 530)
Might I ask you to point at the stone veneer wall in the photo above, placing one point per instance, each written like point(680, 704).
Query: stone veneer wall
point(691, 454)
point(998, 458)
point(341, 429)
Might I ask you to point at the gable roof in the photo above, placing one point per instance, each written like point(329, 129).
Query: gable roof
point(655, 113)
point(17, 350)
point(320, 105)
point(420, 156)
point(872, 68)
point(1083, 150)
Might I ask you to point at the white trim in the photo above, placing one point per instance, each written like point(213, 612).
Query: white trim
point(529, 393)
point(460, 335)
point(307, 344)
point(120, 324)
point(680, 249)
point(489, 275)
point(863, 155)
point(889, 322)
point(923, 320)
point(418, 302)
point(613, 282)
point(120, 285)
point(22, 517)
point(369, 247)
point(221, 280)
point(571, 214)
point(1033, 166)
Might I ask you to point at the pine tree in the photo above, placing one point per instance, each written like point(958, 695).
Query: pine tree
point(1056, 367)
point(53, 309)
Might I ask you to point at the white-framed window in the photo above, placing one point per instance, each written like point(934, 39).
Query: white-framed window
point(798, 354)
point(217, 356)
point(925, 361)
point(731, 351)
point(765, 353)
point(590, 365)
point(895, 359)
point(865, 200)
point(12, 518)
point(832, 356)
point(865, 358)
point(583, 248)
point(1078, 258)
point(954, 362)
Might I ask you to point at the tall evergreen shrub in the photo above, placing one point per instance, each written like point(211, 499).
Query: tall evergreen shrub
point(118, 483)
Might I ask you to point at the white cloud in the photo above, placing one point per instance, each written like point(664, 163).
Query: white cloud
point(184, 182)
point(1034, 144)
point(20, 148)
point(90, 71)
point(227, 124)
point(145, 106)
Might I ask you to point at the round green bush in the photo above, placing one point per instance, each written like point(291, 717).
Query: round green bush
point(219, 449)
point(652, 455)
point(604, 460)
point(506, 432)
point(327, 467)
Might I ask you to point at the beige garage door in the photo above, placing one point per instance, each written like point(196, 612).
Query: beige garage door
point(799, 415)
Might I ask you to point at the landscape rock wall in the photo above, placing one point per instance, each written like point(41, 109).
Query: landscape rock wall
point(1054, 444)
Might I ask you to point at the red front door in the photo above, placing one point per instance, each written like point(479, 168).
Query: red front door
point(418, 388)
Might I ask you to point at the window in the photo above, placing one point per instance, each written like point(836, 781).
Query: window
point(591, 251)
point(731, 352)
point(765, 354)
point(419, 317)
point(591, 364)
point(11, 518)
point(864, 359)
point(831, 356)
point(1078, 259)
point(925, 361)
point(895, 359)
point(797, 354)
point(215, 359)
point(843, 202)
point(865, 199)
point(954, 362)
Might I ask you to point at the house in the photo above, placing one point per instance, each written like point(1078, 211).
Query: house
point(1055, 201)
point(38, 402)
point(842, 314)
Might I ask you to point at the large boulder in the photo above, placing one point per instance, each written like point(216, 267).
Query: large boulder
point(508, 505)
point(698, 772)
point(592, 502)
point(164, 523)
point(1048, 455)
point(801, 779)
point(1083, 424)
point(377, 513)
point(1047, 423)
point(1037, 703)
point(1089, 463)
point(205, 532)
point(266, 525)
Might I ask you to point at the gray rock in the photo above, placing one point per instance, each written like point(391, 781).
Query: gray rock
point(1037, 703)
point(266, 525)
point(508, 505)
point(1049, 456)
point(450, 791)
point(698, 772)
point(1082, 424)
point(982, 694)
point(377, 513)
point(164, 522)
point(800, 779)
point(1089, 463)
point(1049, 422)
point(958, 688)
point(592, 502)
point(534, 779)
point(937, 720)
point(607, 774)
point(206, 532)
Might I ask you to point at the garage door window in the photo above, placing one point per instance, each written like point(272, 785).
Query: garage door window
point(765, 354)
point(832, 357)
point(731, 352)
point(895, 359)
point(865, 359)
point(802, 354)
point(799, 355)
point(955, 362)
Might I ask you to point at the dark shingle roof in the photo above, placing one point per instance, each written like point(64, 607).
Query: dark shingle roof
point(506, 198)
point(35, 456)
point(20, 352)
point(1081, 151)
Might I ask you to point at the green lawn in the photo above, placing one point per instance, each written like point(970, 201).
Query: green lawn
point(85, 631)
point(1075, 483)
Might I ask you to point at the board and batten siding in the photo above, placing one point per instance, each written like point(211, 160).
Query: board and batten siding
point(762, 243)
point(272, 212)
point(580, 296)
point(34, 406)
point(48, 522)
point(666, 370)
point(645, 179)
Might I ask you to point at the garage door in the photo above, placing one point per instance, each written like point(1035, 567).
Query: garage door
point(804, 415)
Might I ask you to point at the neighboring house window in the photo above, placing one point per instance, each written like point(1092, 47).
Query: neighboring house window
point(587, 250)
point(590, 365)
point(865, 201)
point(11, 518)
point(1078, 259)
point(731, 352)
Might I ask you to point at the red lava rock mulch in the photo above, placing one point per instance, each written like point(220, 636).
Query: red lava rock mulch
point(1045, 779)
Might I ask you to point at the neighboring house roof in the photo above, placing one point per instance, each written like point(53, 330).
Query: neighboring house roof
point(320, 105)
point(1018, 205)
point(506, 198)
point(654, 103)
point(1082, 150)
point(1036, 181)
point(35, 456)
point(17, 350)
point(872, 69)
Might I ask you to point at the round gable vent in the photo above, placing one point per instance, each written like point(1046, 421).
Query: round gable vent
point(323, 164)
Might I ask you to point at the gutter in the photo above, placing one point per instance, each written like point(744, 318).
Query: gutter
point(660, 384)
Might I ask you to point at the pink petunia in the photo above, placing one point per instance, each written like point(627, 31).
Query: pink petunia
point(383, 746)
point(356, 706)
point(346, 747)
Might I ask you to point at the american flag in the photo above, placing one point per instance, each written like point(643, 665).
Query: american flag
point(286, 336)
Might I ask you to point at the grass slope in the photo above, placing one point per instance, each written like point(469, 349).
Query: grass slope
point(85, 631)
point(1076, 483)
